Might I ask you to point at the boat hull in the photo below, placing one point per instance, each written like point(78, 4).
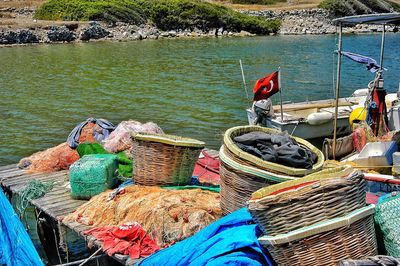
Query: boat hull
point(303, 129)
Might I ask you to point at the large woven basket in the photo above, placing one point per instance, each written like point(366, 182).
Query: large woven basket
point(164, 159)
point(326, 243)
point(251, 160)
point(291, 205)
point(238, 181)
point(387, 218)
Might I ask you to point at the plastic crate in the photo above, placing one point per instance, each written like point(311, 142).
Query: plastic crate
point(92, 174)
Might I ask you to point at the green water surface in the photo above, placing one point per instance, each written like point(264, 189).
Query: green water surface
point(189, 87)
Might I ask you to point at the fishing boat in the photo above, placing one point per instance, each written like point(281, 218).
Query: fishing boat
point(312, 119)
point(324, 118)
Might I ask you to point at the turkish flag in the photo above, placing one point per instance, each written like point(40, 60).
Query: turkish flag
point(266, 87)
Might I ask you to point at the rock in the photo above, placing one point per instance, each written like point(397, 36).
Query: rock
point(72, 26)
point(94, 31)
point(60, 34)
point(245, 33)
point(172, 33)
point(164, 34)
point(20, 36)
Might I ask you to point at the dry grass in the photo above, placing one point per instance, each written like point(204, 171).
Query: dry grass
point(20, 3)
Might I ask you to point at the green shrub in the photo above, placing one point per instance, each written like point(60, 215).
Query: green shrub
point(165, 14)
point(358, 7)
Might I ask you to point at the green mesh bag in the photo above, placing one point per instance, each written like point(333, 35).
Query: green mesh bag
point(387, 219)
point(92, 174)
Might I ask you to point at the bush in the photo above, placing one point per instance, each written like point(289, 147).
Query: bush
point(165, 14)
point(358, 7)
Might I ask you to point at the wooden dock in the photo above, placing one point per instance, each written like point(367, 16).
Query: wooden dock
point(57, 203)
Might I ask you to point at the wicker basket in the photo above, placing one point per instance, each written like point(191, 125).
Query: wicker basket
point(251, 160)
point(320, 196)
point(162, 160)
point(326, 243)
point(238, 181)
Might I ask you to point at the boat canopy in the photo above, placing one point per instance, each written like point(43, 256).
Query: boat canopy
point(379, 19)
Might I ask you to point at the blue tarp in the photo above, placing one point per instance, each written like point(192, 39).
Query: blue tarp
point(232, 240)
point(16, 248)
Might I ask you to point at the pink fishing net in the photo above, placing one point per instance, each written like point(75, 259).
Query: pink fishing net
point(120, 139)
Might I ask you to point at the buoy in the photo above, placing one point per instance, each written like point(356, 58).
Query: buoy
point(319, 118)
point(358, 114)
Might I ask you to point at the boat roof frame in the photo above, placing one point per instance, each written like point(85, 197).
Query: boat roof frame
point(377, 19)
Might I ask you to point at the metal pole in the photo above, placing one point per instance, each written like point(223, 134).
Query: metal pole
point(337, 89)
point(244, 81)
point(280, 91)
point(382, 46)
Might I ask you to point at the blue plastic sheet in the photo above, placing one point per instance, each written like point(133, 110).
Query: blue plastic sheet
point(16, 248)
point(232, 240)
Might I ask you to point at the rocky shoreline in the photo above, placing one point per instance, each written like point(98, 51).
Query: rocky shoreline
point(294, 22)
point(312, 21)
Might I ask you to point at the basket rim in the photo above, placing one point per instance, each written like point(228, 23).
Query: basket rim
point(170, 140)
point(252, 170)
point(337, 172)
point(230, 144)
point(318, 228)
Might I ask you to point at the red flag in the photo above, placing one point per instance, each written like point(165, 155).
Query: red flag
point(266, 87)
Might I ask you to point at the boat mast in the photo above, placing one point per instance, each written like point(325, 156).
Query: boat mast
point(337, 89)
point(382, 47)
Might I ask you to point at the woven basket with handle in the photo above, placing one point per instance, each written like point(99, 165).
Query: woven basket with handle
point(326, 243)
point(238, 181)
point(164, 159)
point(291, 205)
point(251, 160)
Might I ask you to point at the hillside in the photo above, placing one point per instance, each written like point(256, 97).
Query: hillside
point(235, 4)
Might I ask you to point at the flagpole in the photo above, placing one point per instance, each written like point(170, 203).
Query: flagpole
point(337, 90)
point(280, 91)
point(244, 81)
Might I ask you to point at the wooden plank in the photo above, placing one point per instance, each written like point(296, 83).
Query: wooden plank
point(64, 212)
point(44, 204)
point(25, 179)
point(54, 198)
point(11, 174)
point(10, 166)
point(17, 175)
point(25, 176)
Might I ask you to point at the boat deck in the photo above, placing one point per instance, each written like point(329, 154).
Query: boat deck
point(57, 203)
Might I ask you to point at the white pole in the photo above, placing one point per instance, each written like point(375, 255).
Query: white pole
point(382, 47)
point(337, 89)
point(244, 81)
point(280, 91)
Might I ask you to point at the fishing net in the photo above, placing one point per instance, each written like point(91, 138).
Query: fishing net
point(33, 190)
point(51, 160)
point(387, 218)
point(120, 139)
point(167, 215)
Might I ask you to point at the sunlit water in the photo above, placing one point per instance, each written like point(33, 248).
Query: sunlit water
point(189, 87)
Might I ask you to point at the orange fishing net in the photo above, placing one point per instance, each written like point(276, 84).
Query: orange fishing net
point(53, 159)
point(167, 215)
point(59, 157)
